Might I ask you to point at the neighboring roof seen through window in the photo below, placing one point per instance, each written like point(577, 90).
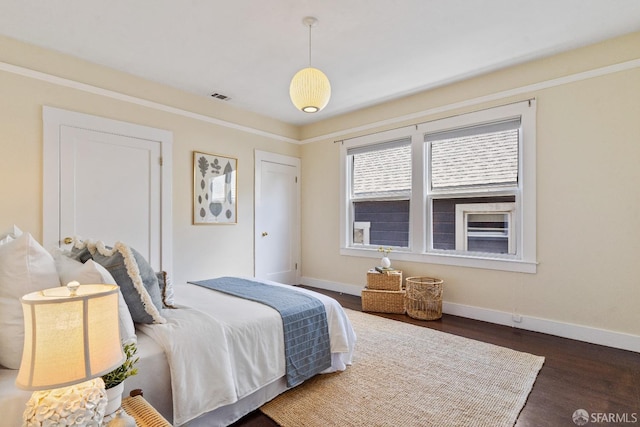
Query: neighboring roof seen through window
point(385, 171)
point(479, 156)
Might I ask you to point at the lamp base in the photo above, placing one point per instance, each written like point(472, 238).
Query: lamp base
point(79, 404)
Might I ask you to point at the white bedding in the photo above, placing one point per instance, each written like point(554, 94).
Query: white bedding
point(249, 374)
point(223, 348)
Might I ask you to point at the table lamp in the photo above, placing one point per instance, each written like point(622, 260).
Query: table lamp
point(71, 339)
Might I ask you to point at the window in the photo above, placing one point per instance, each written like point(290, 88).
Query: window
point(458, 190)
point(473, 157)
point(452, 218)
point(473, 187)
point(361, 232)
point(380, 193)
point(485, 227)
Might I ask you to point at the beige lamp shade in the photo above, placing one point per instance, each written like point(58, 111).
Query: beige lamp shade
point(69, 338)
point(310, 90)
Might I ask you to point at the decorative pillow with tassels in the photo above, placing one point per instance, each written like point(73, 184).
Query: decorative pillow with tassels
point(136, 278)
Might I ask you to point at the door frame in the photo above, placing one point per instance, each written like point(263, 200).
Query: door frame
point(261, 156)
point(53, 120)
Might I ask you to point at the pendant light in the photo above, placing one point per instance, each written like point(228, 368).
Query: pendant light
point(310, 89)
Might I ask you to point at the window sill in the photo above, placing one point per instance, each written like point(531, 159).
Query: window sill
point(487, 263)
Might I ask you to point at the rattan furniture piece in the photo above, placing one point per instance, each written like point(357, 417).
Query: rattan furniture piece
point(424, 298)
point(144, 414)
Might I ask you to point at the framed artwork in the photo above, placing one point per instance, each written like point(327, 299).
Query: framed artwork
point(214, 189)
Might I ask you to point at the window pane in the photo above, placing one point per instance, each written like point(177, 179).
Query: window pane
point(386, 222)
point(479, 156)
point(487, 230)
point(382, 172)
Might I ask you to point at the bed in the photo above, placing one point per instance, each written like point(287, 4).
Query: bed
point(255, 338)
point(209, 361)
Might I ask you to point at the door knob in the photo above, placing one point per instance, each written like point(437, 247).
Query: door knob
point(265, 234)
point(68, 240)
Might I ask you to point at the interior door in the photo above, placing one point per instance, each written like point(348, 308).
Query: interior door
point(110, 189)
point(107, 180)
point(277, 218)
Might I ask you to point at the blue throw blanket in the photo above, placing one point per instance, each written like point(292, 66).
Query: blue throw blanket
point(306, 332)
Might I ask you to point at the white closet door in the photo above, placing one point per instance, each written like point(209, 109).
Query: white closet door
point(110, 189)
point(277, 222)
point(107, 180)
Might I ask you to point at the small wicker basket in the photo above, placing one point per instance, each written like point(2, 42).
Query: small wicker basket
point(388, 281)
point(383, 301)
point(424, 298)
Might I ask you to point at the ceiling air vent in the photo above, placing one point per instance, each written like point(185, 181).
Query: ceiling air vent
point(220, 96)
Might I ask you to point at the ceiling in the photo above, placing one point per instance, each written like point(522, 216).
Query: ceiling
point(371, 50)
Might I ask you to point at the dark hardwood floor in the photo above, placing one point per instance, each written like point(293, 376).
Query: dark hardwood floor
point(576, 375)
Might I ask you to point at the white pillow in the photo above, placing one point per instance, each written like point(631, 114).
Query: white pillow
point(93, 273)
point(25, 267)
point(13, 233)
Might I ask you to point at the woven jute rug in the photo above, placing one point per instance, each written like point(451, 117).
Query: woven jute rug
point(407, 375)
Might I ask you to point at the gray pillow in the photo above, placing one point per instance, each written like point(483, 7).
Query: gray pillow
point(83, 255)
point(136, 278)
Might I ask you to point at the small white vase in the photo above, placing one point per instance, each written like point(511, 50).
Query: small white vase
point(385, 262)
point(114, 394)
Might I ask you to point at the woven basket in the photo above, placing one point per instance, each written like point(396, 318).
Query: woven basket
point(391, 281)
point(383, 301)
point(424, 298)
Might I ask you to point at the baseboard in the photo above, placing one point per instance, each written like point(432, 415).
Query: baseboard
point(566, 330)
point(588, 334)
point(343, 288)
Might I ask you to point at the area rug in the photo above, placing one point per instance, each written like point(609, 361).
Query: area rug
point(407, 375)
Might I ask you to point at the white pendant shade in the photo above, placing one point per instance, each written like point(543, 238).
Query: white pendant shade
point(310, 90)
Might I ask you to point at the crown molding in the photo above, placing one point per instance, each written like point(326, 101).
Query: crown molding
point(95, 90)
point(522, 90)
point(527, 89)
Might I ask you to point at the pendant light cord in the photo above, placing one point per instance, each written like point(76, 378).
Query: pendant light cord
point(310, 46)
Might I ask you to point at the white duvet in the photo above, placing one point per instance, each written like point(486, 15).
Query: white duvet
point(221, 348)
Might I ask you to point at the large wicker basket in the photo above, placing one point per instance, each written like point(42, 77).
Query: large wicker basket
point(383, 301)
point(424, 298)
point(387, 281)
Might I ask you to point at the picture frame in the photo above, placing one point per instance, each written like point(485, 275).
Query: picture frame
point(215, 185)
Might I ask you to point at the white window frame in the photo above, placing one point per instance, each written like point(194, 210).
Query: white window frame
point(420, 245)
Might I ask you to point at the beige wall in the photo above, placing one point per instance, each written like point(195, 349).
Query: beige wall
point(588, 153)
point(197, 250)
point(588, 203)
